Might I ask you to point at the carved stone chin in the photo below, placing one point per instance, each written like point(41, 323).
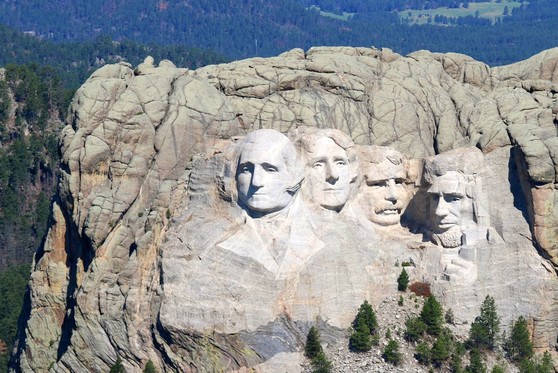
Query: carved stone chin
point(448, 239)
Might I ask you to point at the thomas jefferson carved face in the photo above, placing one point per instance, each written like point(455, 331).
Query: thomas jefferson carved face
point(329, 173)
point(266, 174)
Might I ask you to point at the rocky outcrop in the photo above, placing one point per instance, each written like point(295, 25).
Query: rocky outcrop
point(141, 257)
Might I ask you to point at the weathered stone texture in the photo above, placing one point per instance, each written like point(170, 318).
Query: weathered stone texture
point(136, 263)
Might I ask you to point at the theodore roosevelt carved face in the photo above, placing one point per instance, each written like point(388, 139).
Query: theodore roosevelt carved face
point(268, 172)
point(383, 193)
point(331, 167)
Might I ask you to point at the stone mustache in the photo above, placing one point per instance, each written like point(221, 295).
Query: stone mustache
point(364, 182)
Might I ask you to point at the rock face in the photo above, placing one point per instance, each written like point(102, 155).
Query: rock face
point(161, 247)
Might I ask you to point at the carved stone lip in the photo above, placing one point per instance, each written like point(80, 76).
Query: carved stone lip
point(389, 211)
point(446, 224)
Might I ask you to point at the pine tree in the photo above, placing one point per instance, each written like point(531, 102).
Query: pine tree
point(364, 325)
point(313, 350)
point(391, 353)
point(321, 364)
point(149, 367)
point(484, 330)
point(432, 315)
point(415, 328)
point(361, 340)
point(441, 349)
point(422, 353)
point(313, 346)
point(117, 367)
point(403, 280)
point(476, 365)
point(366, 312)
point(518, 346)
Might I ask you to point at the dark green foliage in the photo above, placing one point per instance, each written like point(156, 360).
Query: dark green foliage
point(256, 28)
point(403, 280)
point(313, 351)
point(537, 365)
point(432, 316)
point(321, 364)
point(441, 349)
point(518, 345)
point(484, 330)
point(391, 353)
point(13, 281)
point(476, 365)
point(450, 319)
point(364, 325)
point(400, 300)
point(422, 353)
point(414, 329)
point(367, 314)
point(360, 339)
point(5, 106)
point(28, 160)
point(457, 357)
point(313, 346)
point(497, 369)
point(117, 367)
point(150, 368)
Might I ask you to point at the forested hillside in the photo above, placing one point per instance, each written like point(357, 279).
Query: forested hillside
point(239, 29)
point(37, 81)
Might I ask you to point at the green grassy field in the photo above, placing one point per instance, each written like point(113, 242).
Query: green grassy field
point(490, 9)
point(345, 16)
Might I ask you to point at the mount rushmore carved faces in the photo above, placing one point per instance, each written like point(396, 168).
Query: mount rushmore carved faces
point(331, 167)
point(268, 173)
point(384, 195)
point(454, 197)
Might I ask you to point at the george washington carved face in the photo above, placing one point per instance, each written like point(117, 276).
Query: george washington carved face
point(268, 172)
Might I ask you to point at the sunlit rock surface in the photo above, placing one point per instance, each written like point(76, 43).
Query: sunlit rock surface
point(151, 255)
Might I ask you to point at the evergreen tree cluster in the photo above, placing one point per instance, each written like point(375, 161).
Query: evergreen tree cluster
point(13, 283)
point(364, 325)
point(262, 28)
point(32, 103)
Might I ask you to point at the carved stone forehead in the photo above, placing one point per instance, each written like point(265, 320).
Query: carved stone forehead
point(466, 161)
point(382, 163)
point(452, 182)
point(268, 144)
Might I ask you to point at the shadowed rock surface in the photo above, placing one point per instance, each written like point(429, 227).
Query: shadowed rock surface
point(138, 261)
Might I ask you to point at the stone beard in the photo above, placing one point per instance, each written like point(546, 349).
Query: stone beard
point(384, 196)
point(268, 172)
point(330, 168)
point(447, 204)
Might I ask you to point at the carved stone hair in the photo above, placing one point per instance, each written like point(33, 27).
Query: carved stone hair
point(307, 137)
point(469, 162)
